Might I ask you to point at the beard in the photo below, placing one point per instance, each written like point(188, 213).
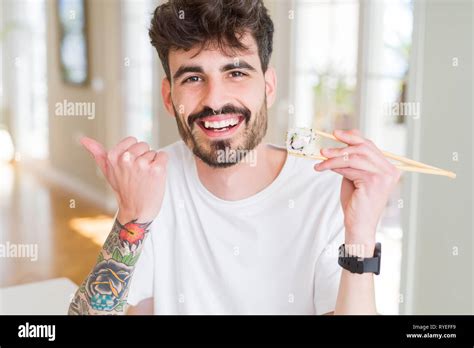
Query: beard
point(247, 138)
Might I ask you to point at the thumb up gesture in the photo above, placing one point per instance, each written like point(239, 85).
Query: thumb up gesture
point(136, 174)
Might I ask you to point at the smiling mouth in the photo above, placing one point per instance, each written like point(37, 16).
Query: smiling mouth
point(220, 125)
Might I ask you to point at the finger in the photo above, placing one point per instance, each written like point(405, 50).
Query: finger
point(146, 159)
point(120, 148)
point(160, 162)
point(138, 149)
point(331, 152)
point(348, 137)
point(376, 158)
point(365, 140)
point(355, 131)
point(350, 173)
point(97, 151)
point(355, 161)
point(149, 155)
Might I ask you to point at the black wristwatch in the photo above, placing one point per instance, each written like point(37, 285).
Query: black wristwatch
point(360, 265)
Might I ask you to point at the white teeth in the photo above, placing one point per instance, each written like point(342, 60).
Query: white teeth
point(221, 124)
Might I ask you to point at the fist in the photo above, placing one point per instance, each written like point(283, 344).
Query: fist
point(136, 174)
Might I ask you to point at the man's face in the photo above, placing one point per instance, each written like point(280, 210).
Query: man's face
point(219, 102)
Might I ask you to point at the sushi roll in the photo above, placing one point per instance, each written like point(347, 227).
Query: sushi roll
point(301, 141)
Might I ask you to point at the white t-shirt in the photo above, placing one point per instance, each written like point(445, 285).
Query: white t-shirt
point(272, 253)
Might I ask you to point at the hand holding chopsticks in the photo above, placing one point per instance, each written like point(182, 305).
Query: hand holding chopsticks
point(304, 137)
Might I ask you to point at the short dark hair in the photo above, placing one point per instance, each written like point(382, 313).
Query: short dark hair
point(182, 24)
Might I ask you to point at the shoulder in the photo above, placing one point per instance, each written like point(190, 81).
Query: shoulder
point(327, 179)
point(178, 155)
point(320, 190)
point(302, 173)
point(301, 179)
point(175, 150)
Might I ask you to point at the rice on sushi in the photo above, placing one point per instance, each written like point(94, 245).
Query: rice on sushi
point(301, 141)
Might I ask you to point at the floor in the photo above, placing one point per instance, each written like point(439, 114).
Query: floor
point(43, 233)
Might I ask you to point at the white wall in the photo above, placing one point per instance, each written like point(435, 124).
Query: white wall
point(439, 211)
point(66, 155)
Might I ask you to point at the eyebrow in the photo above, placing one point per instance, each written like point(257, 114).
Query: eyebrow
point(183, 69)
point(242, 64)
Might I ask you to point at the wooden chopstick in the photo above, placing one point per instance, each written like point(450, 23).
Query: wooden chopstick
point(427, 171)
point(411, 163)
point(399, 166)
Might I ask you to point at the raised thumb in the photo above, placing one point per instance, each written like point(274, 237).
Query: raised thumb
point(97, 151)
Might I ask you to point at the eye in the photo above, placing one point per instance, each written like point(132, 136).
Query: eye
point(192, 79)
point(237, 74)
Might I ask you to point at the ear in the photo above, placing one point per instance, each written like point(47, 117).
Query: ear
point(166, 95)
point(270, 85)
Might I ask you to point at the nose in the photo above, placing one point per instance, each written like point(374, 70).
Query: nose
point(214, 95)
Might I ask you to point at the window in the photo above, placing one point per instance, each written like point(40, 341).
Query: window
point(326, 63)
point(138, 70)
point(24, 34)
point(382, 91)
point(351, 65)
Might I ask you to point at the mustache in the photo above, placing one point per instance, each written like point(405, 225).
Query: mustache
point(226, 109)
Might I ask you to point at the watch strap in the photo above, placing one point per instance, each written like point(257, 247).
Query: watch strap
point(360, 265)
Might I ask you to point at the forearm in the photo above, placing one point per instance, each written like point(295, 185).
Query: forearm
point(106, 288)
point(356, 293)
point(369, 179)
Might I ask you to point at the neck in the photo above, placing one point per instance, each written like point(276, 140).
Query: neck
point(243, 179)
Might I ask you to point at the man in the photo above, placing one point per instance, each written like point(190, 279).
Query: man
point(220, 223)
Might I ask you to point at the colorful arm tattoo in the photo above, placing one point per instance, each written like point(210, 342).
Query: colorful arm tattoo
point(105, 290)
